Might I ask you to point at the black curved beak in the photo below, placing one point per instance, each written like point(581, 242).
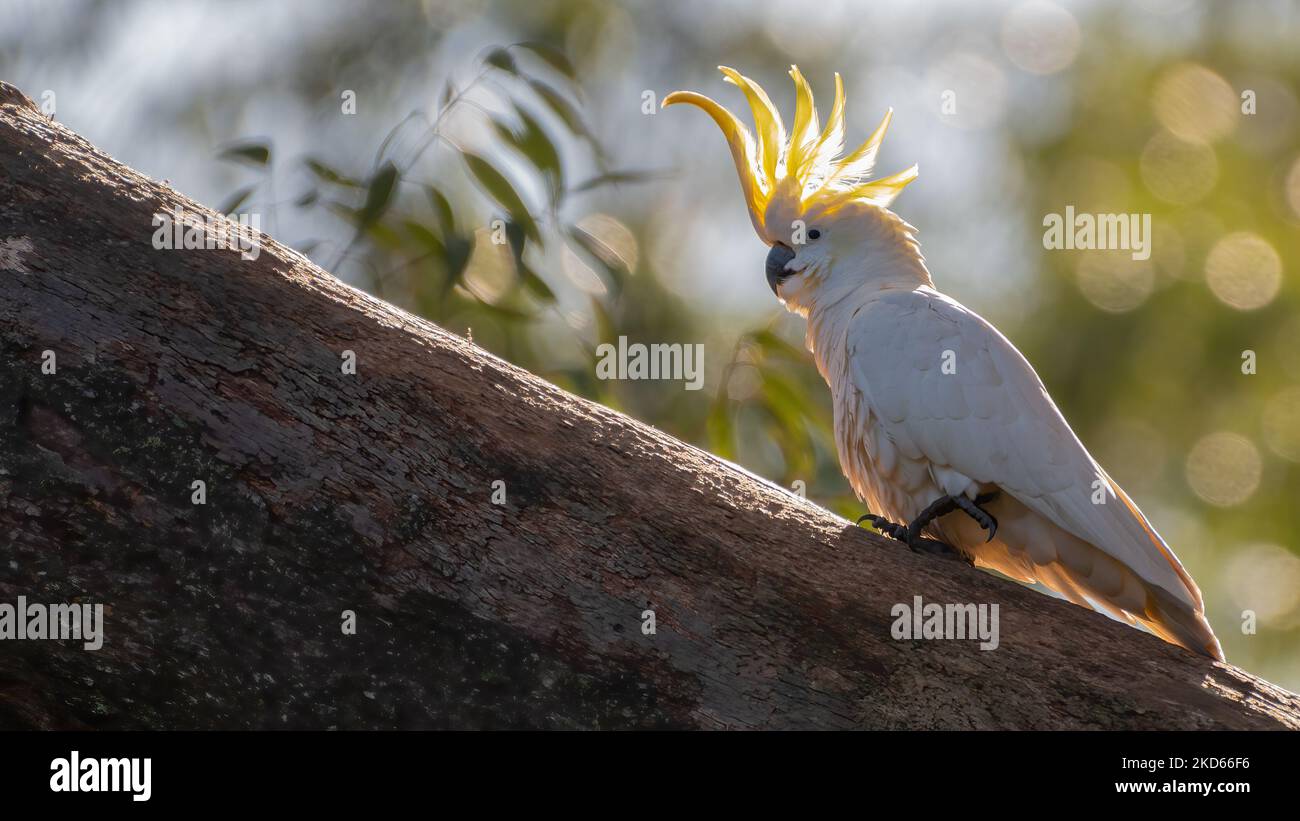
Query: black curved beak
point(777, 259)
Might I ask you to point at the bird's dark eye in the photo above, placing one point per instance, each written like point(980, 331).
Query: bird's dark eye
point(814, 234)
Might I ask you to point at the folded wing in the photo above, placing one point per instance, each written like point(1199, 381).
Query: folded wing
point(987, 416)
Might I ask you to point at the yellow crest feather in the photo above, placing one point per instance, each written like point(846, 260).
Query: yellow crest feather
point(805, 168)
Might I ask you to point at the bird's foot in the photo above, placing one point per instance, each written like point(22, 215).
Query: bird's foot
point(912, 538)
point(910, 534)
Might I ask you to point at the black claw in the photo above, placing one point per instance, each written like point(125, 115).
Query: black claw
point(979, 514)
point(895, 531)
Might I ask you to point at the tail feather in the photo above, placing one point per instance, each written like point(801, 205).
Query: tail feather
point(1031, 547)
point(1175, 622)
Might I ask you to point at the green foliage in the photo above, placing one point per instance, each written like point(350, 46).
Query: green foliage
point(250, 153)
point(379, 192)
point(500, 189)
point(419, 250)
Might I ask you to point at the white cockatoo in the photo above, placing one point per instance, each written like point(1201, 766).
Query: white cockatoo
point(943, 428)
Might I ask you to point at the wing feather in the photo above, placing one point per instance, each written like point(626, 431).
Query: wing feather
point(994, 422)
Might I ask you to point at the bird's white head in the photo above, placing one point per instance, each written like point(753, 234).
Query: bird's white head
point(828, 226)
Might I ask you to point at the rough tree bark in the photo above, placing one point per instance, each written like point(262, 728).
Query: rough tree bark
point(328, 492)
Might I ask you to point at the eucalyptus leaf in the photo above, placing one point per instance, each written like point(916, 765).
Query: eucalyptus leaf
point(257, 154)
point(328, 174)
point(772, 344)
point(379, 194)
point(426, 238)
point(618, 178)
point(720, 429)
point(503, 311)
point(562, 108)
point(552, 57)
point(602, 253)
point(459, 251)
point(517, 238)
point(442, 210)
point(535, 284)
point(606, 330)
point(537, 146)
point(499, 188)
point(500, 58)
point(236, 199)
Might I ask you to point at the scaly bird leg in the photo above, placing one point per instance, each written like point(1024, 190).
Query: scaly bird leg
point(910, 534)
point(939, 507)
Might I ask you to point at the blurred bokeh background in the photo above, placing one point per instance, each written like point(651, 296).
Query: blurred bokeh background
point(383, 139)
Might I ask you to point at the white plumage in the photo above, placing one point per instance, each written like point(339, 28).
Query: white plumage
point(930, 399)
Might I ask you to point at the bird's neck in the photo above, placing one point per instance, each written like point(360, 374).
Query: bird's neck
point(890, 259)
